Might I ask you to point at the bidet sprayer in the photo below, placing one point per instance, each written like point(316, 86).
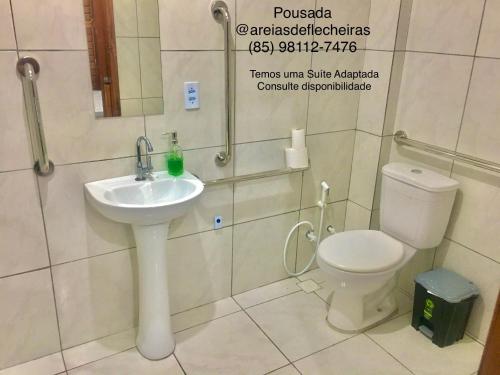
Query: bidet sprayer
point(325, 190)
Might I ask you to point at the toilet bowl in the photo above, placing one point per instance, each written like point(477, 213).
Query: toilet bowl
point(415, 207)
point(362, 266)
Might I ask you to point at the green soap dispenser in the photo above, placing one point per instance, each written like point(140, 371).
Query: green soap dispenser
point(174, 157)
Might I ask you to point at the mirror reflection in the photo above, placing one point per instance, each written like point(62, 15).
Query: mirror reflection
point(123, 38)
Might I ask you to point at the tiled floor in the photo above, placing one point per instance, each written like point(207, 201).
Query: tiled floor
point(277, 329)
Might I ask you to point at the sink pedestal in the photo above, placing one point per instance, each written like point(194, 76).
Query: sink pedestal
point(155, 339)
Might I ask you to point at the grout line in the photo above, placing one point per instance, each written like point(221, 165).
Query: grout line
point(380, 346)
point(24, 272)
point(327, 347)
point(91, 257)
point(179, 363)
point(103, 358)
point(268, 300)
point(265, 334)
point(475, 251)
point(208, 321)
point(466, 99)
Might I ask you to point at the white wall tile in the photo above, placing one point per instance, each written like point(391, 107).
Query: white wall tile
point(483, 272)
point(258, 251)
point(27, 318)
point(75, 230)
point(489, 38)
point(432, 97)
point(345, 12)
point(334, 110)
point(260, 156)
point(334, 215)
point(50, 24)
point(364, 169)
point(357, 217)
point(266, 197)
point(384, 15)
point(96, 297)
point(190, 28)
point(264, 114)
point(15, 147)
point(72, 132)
point(331, 157)
point(421, 262)
point(7, 39)
point(178, 67)
point(22, 237)
point(446, 26)
point(199, 269)
point(261, 13)
point(475, 222)
point(215, 201)
point(372, 104)
point(480, 132)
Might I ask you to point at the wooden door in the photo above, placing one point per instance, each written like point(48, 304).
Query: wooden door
point(101, 40)
point(490, 363)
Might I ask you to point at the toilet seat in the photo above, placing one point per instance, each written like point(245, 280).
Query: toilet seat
point(361, 251)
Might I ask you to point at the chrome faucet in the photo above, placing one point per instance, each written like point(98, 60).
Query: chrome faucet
point(144, 172)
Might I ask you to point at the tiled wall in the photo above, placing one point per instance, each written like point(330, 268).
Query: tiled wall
point(444, 90)
point(67, 274)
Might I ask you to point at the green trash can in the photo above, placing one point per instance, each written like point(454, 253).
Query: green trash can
point(442, 304)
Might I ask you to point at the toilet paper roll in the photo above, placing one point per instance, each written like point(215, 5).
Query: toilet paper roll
point(298, 138)
point(296, 157)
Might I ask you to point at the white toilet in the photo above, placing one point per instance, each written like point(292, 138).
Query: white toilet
point(415, 209)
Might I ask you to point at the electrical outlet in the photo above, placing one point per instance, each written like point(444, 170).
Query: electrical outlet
point(218, 221)
point(191, 95)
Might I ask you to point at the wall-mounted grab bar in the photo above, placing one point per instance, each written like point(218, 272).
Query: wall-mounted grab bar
point(29, 68)
point(255, 176)
point(220, 13)
point(401, 138)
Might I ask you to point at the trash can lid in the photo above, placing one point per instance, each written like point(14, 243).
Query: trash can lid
point(447, 285)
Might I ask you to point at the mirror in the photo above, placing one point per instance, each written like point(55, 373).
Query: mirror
point(123, 38)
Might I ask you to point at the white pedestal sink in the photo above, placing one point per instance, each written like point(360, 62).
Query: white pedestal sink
point(148, 206)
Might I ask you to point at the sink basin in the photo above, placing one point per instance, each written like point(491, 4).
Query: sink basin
point(155, 201)
point(148, 206)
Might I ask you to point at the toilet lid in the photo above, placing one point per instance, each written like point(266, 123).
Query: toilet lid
point(361, 251)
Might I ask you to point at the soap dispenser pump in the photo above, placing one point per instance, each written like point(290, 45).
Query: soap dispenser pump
point(174, 157)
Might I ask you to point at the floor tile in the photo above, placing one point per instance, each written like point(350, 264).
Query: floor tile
point(203, 314)
point(287, 370)
point(297, 324)
point(309, 286)
point(346, 359)
point(98, 349)
point(317, 275)
point(130, 362)
point(267, 292)
point(51, 364)
point(229, 345)
point(420, 355)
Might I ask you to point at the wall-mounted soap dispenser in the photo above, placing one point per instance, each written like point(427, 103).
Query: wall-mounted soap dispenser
point(174, 158)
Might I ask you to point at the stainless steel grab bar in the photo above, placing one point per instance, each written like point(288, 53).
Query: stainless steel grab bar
point(220, 13)
point(255, 176)
point(401, 138)
point(29, 68)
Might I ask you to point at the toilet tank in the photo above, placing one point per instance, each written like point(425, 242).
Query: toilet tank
point(415, 204)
